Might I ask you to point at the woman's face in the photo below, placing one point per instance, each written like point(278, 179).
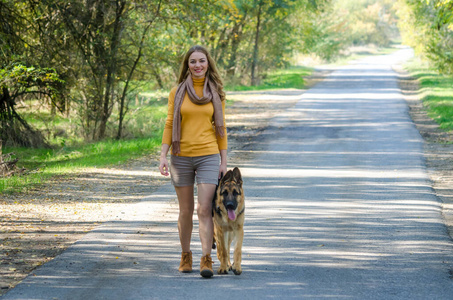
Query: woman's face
point(198, 64)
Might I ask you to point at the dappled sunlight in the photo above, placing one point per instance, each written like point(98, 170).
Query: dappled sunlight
point(122, 172)
point(338, 205)
point(280, 95)
point(324, 95)
point(329, 173)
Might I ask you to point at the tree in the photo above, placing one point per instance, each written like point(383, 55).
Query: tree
point(428, 27)
point(257, 39)
point(99, 49)
point(17, 80)
point(21, 75)
point(95, 27)
point(140, 49)
point(345, 23)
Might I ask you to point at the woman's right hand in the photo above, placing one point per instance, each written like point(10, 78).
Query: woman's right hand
point(163, 167)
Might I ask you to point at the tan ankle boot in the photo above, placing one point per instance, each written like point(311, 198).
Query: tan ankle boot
point(206, 266)
point(186, 262)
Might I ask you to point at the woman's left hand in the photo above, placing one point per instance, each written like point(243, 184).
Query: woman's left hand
point(222, 170)
point(223, 163)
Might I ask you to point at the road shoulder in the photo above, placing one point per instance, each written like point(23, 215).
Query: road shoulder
point(438, 145)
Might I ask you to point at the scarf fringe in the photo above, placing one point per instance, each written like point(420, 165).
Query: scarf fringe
point(176, 147)
point(220, 131)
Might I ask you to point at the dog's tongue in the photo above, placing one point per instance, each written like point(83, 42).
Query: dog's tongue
point(231, 215)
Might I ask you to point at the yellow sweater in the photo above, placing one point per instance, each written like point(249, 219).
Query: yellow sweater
point(198, 136)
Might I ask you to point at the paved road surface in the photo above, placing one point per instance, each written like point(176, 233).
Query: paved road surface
point(339, 206)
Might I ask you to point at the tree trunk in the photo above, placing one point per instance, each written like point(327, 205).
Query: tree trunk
point(129, 77)
point(112, 65)
point(158, 78)
point(131, 73)
point(15, 130)
point(235, 41)
point(254, 78)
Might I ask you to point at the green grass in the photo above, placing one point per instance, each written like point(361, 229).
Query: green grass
point(436, 92)
point(46, 163)
point(144, 126)
point(292, 77)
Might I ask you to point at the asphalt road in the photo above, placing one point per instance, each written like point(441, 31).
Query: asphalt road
point(339, 206)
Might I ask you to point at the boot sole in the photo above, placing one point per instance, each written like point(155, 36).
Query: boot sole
point(207, 273)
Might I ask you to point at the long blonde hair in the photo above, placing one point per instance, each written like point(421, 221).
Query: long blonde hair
point(212, 73)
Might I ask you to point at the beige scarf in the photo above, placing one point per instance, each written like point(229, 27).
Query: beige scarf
point(209, 95)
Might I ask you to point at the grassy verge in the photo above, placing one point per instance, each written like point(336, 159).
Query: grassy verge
point(143, 128)
point(292, 77)
point(436, 92)
point(46, 163)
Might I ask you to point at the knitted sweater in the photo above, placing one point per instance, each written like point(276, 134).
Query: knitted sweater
point(198, 136)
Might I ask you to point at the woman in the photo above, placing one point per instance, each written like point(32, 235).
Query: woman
point(195, 131)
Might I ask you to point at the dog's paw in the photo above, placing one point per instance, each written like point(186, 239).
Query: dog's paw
point(237, 270)
point(222, 271)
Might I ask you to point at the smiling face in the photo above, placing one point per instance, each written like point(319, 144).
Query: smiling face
point(198, 64)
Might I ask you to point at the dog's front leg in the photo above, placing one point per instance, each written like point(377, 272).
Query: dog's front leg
point(238, 252)
point(229, 239)
point(222, 254)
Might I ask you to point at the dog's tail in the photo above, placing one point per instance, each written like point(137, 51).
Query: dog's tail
point(213, 242)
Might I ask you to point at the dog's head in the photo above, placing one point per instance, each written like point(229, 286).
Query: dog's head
point(231, 193)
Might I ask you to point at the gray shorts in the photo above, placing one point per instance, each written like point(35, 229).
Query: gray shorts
point(183, 170)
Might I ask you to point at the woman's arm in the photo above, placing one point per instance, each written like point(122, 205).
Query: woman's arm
point(223, 163)
point(163, 167)
point(167, 135)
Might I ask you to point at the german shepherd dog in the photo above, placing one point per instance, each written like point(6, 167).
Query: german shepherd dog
point(228, 216)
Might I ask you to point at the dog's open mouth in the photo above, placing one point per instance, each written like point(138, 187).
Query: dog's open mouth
point(231, 214)
point(230, 207)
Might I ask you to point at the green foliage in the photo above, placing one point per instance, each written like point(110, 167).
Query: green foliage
point(427, 26)
point(100, 49)
point(345, 23)
point(19, 78)
point(326, 38)
point(228, 28)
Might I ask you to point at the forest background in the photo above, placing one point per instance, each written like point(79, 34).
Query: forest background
point(86, 82)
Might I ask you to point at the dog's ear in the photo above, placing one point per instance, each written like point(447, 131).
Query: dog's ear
point(237, 175)
point(227, 177)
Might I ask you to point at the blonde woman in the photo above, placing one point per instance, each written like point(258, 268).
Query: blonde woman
point(196, 133)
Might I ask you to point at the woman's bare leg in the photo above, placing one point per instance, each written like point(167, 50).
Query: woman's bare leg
point(185, 220)
point(204, 212)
